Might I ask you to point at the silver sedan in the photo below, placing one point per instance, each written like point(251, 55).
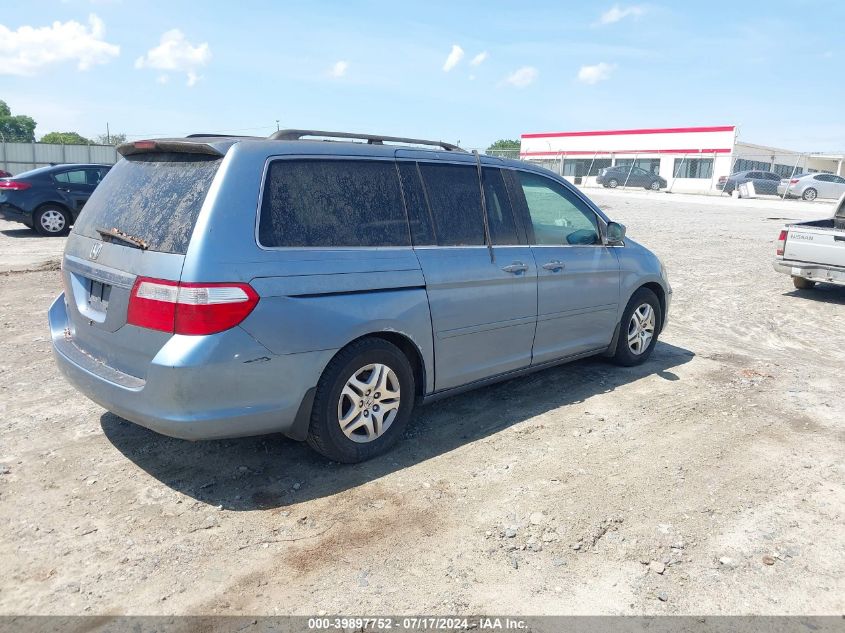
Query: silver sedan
point(812, 186)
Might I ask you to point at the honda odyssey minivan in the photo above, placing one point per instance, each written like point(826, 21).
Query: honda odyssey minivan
point(323, 284)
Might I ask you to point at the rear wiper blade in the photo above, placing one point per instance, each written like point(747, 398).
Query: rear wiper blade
point(119, 236)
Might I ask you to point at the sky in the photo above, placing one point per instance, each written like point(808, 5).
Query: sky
point(466, 71)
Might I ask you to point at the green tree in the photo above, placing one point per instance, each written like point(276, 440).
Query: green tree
point(112, 139)
point(504, 144)
point(15, 129)
point(65, 138)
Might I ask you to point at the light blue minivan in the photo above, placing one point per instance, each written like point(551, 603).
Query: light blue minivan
point(322, 284)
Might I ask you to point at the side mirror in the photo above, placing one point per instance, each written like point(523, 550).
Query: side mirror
point(615, 233)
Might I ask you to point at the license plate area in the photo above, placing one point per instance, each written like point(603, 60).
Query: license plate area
point(98, 295)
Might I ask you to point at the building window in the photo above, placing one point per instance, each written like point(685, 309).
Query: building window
point(578, 167)
point(651, 165)
point(743, 164)
point(693, 168)
point(786, 171)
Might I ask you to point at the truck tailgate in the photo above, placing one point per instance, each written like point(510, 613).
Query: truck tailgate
point(815, 246)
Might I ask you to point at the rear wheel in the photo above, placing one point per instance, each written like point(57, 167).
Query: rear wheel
point(363, 402)
point(810, 194)
point(613, 183)
point(52, 220)
point(638, 329)
point(803, 284)
point(655, 186)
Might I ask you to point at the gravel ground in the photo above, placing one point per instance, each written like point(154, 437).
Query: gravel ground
point(709, 480)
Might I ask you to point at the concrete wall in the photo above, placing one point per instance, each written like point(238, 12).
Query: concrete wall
point(20, 157)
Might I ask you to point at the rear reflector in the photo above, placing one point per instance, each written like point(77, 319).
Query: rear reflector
point(189, 308)
point(14, 185)
point(781, 243)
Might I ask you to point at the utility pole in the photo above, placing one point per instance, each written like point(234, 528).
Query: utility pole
point(277, 125)
point(108, 135)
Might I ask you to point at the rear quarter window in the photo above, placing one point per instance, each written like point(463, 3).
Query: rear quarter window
point(454, 196)
point(332, 203)
point(154, 197)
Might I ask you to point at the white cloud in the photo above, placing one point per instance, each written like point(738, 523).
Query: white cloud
point(596, 73)
point(617, 13)
point(522, 77)
point(455, 55)
point(339, 68)
point(28, 49)
point(175, 54)
point(478, 59)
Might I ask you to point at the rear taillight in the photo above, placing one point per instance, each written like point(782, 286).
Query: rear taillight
point(794, 181)
point(189, 308)
point(14, 185)
point(781, 243)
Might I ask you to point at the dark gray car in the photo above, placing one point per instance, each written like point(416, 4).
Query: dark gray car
point(765, 182)
point(220, 287)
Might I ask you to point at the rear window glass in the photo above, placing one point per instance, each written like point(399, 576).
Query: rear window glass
point(155, 197)
point(454, 196)
point(332, 203)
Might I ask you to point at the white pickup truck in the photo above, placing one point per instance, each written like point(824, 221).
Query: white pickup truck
point(813, 252)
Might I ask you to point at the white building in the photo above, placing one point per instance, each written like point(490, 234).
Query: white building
point(691, 159)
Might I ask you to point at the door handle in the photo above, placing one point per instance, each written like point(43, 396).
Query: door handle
point(554, 266)
point(516, 267)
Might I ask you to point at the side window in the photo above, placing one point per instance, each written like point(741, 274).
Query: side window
point(77, 177)
point(454, 197)
point(61, 177)
point(557, 215)
point(839, 180)
point(822, 177)
point(422, 231)
point(499, 213)
point(332, 203)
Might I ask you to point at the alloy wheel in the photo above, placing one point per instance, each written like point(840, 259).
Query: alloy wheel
point(368, 403)
point(52, 221)
point(641, 329)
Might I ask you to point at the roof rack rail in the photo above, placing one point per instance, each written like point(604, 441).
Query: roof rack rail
point(372, 139)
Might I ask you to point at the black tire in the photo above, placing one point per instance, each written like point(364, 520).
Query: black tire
point(803, 284)
point(324, 433)
point(47, 222)
point(655, 186)
point(613, 183)
point(623, 354)
point(810, 194)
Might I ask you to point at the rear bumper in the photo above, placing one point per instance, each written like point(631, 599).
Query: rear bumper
point(196, 388)
point(14, 214)
point(813, 272)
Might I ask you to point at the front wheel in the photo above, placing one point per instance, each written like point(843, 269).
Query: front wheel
point(52, 220)
point(638, 329)
point(655, 186)
point(363, 402)
point(810, 194)
point(803, 284)
point(613, 183)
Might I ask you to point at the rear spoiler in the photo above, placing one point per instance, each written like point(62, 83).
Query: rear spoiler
point(214, 147)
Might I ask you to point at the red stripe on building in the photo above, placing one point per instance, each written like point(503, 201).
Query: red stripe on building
point(663, 130)
point(722, 150)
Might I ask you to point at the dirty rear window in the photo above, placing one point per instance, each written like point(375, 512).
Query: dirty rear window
point(332, 203)
point(155, 197)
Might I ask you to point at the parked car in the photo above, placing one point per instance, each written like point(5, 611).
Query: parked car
point(368, 278)
point(627, 176)
point(5, 174)
point(765, 182)
point(812, 186)
point(812, 252)
point(49, 199)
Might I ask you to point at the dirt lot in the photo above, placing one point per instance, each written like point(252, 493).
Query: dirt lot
point(710, 480)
